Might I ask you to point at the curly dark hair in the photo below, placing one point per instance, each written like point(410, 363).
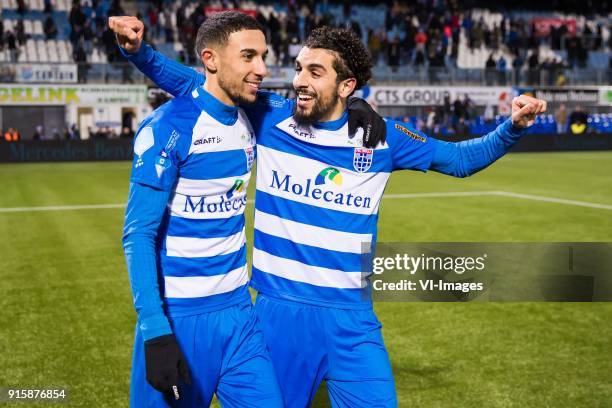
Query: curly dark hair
point(353, 58)
point(216, 29)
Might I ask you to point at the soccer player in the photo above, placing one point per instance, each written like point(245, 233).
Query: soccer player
point(184, 236)
point(318, 193)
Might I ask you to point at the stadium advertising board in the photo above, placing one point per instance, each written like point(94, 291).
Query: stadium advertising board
point(434, 95)
point(77, 95)
point(583, 95)
point(55, 73)
point(543, 25)
point(605, 95)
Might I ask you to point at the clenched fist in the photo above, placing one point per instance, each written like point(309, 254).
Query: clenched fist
point(128, 31)
point(525, 109)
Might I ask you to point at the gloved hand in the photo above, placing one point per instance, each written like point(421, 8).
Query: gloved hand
point(165, 365)
point(361, 115)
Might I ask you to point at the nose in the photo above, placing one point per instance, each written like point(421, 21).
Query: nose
point(260, 68)
point(299, 80)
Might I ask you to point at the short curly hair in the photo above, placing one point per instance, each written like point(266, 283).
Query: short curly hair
point(216, 29)
point(353, 58)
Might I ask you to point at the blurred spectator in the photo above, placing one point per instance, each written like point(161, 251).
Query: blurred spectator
point(393, 54)
point(80, 57)
point(490, 66)
point(462, 128)
point(11, 42)
point(153, 21)
point(126, 133)
point(294, 50)
point(88, 37)
point(22, 7)
point(533, 64)
point(72, 133)
point(22, 37)
point(501, 70)
point(38, 133)
point(578, 120)
point(167, 24)
point(11, 135)
point(517, 66)
point(50, 28)
point(561, 118)
point(48, 6)
point(374, 45)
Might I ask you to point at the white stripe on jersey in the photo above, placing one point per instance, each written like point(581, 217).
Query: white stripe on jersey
point(212, 187)
point(310, 235)
point(201, 286)
point(324, 137)
point(300, 272)
point(204, 247)
point(273, 163)
point(209, 135)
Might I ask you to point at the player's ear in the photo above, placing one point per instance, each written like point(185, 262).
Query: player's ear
point(210, 60)
point(346, 87)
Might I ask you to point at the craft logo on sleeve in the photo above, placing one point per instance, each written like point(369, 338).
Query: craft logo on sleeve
point(410, 133)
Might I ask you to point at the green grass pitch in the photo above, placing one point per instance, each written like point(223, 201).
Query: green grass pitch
point(66, 316)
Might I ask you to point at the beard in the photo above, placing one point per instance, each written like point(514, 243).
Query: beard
point(235, 91)
point(321, 107)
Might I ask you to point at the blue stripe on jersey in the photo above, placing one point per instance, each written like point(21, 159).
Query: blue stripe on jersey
point(317, 216)
point(330, 155)
point(207, 266)
point(177, 307)
point(206, 228)
point(207, 166)
point(307, 254)
point(275, 286)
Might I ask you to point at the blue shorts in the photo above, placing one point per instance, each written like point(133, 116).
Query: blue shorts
point(345, 348)
point(226, 354)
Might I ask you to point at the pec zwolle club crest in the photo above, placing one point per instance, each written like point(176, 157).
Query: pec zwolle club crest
point(362, 159)
point(250, 156)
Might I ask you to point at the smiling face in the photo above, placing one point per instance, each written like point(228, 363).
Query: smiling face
point(320, 96)
point(239, 65)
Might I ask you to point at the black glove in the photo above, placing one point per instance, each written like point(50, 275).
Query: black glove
point(361, 115)
point(165, 364)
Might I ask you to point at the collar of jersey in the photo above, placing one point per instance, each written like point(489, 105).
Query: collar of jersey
point(221, 112)
point(333, 124)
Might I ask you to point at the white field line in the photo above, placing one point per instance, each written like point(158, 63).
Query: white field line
point(61, 208)
point(387, 197)
point(504, 194)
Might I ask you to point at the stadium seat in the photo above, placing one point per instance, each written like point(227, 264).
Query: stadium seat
point(27, 25)
point(38, 28)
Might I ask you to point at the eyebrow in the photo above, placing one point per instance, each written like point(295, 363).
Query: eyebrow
point(312, 66)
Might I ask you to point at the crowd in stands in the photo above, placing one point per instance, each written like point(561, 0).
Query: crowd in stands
point(426, 33)
point(462, 119)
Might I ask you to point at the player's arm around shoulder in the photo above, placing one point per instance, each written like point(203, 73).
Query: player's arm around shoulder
point(268, 109)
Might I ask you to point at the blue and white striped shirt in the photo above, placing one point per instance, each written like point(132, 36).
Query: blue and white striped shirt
point(202, 151)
